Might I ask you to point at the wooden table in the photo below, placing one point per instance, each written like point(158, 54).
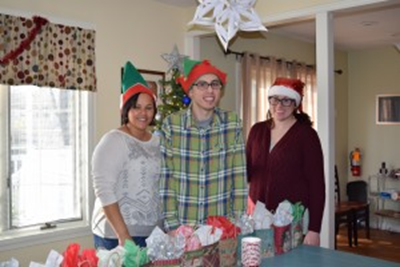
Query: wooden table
point(312, 256)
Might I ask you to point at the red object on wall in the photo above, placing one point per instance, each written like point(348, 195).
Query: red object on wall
point(355, 162)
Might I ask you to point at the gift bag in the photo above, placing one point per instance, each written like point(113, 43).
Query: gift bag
point(267, 242)
point(227, 252)
point(228, 242)
point(282, 239)
point(298, 212)
point(207, 256)
point(296, 234)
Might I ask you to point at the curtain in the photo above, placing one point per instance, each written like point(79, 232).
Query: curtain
point(257, 76)
point(37, 52)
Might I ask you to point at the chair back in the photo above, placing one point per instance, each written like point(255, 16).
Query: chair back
point(337, 186)
point(357, 191)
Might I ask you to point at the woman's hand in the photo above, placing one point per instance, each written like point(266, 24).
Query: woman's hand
point(123, 238)
point(312, 238)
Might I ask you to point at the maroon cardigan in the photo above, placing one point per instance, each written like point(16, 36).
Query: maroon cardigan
point(293, 170)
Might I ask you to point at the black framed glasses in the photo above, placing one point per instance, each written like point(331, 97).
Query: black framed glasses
point(286, 102)
point(203, 85)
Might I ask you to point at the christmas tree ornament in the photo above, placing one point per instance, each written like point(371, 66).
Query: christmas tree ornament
point(174, 59)
point(227, 17)
point(133, 83)
point(186, 100)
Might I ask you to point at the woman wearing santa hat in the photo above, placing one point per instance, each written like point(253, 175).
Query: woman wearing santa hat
point(284, 157)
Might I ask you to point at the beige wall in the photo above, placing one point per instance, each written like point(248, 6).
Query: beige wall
point(373, 72)
point(265, 8)
point(341, 119)
point(139, 31)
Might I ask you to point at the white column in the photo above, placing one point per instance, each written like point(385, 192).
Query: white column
point(326, 120)
point(192, 45)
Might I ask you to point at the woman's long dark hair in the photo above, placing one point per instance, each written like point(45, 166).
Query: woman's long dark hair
point(131, 103)
point(301, 116)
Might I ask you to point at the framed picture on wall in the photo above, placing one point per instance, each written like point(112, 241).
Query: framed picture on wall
point(388, 109)
point(153, 78)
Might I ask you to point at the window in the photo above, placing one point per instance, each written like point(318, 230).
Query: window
point(44, 156)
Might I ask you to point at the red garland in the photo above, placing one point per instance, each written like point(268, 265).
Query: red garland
point(39, 23)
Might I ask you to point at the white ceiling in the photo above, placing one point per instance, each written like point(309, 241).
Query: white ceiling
point(354, 29)
point(367, 27)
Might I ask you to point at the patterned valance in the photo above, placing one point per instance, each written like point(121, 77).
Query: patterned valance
point(37, 52)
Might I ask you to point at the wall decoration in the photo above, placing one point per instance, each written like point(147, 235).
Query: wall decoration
point(154, 79)
point(388, 109)
point(227, 17)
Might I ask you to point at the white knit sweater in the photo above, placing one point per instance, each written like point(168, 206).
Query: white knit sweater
point(127, 170)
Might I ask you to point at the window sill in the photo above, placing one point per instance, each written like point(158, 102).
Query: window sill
point(16, 239)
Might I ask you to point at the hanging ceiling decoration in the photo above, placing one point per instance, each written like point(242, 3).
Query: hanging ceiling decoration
point(227, 17)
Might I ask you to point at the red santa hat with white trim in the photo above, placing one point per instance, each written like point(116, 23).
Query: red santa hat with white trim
point(291, 88)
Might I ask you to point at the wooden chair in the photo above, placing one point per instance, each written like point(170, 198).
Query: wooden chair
point(357, 193)
point(353, 211)
point(343, 213)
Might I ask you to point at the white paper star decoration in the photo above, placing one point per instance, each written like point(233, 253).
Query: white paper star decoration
point(227, 17)
point(174, 59)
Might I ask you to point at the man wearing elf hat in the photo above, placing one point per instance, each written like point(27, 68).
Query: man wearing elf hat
point(203, 169)
point(284, 157)
point(126, 170)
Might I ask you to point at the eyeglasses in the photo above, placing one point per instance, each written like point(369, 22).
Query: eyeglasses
point(286, 102)
point(203, 85)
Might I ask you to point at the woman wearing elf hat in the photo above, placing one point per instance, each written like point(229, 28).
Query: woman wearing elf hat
point(284, 156)
point(126, 170)
point(203, 169)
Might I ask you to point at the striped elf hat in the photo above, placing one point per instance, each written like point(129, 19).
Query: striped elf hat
point(194, 69)
point(133, 83)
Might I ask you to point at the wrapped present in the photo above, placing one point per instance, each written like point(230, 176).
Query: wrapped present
point(206, 256)
point(228, 242)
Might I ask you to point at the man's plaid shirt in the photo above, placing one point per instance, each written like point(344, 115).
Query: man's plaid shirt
point(203, 170)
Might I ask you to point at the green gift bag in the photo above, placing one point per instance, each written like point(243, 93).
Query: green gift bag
point(267, 241)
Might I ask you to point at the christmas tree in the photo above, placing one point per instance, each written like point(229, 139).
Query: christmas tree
point(173, 97)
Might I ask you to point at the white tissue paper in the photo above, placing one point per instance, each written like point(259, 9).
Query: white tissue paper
point(11, 263)
point(283, 215)
point(54, 259)
point(208, 234)
point(111, 258)
point(262, 217)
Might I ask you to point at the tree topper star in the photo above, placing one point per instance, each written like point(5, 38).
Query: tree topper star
point(227, 17)
point(174, 59)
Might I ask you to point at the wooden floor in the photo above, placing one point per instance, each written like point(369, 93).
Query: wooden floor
point(384, 245)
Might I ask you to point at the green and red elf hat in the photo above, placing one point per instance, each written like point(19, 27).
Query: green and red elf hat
point(194, 69)
point(133, 83)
